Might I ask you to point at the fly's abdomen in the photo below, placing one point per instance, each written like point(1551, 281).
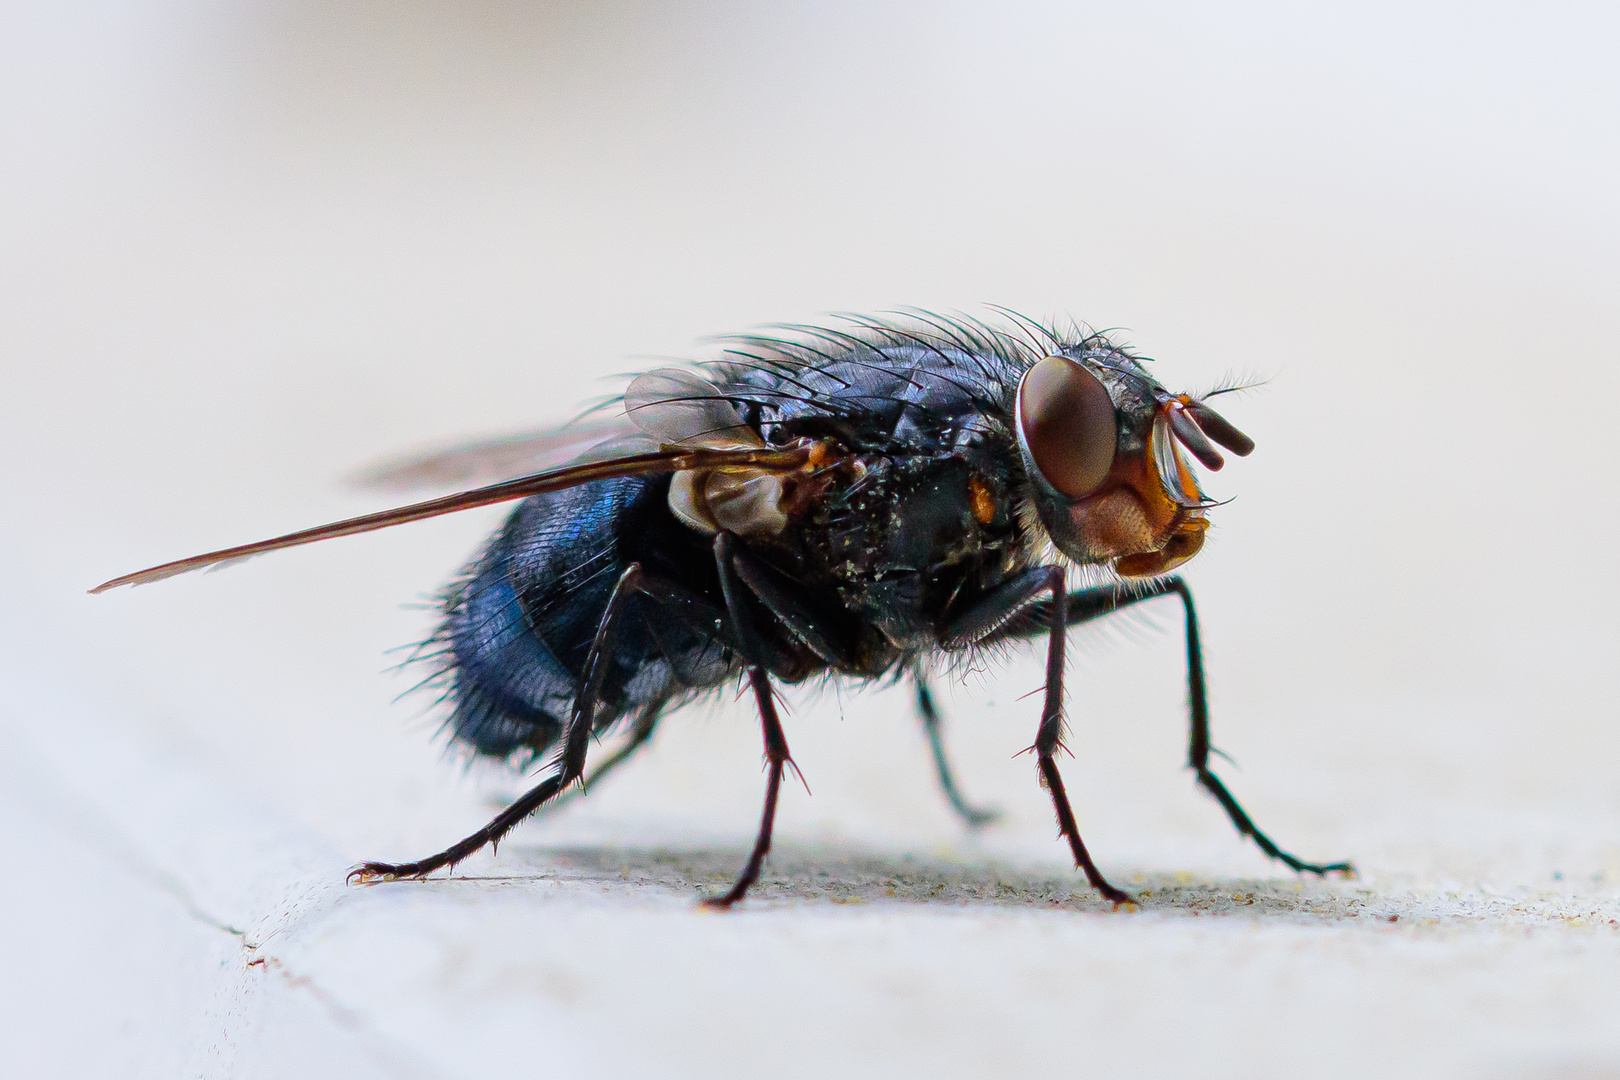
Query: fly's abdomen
point(520, 625)
point(510, 693)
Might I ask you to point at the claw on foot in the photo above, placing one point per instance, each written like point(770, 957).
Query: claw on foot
point(1117, 896)
point(1338, 869)
point(373, 872)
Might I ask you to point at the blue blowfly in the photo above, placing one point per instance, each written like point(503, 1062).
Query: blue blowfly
point(850, 502)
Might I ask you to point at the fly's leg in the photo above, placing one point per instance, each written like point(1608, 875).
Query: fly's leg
point(504, 822)
point(777, 759)
point(576, 740)
point(830, 636)
point(1198, 747)
point(991, 613)
point(643, 730)
point(973, 816)
point(1049, 737)
point(1087, 604)
point(760, 652)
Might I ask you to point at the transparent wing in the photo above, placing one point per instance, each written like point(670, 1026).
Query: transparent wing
point(489, 461)
point(672, 459)
point(666, 407)
point(676, 406)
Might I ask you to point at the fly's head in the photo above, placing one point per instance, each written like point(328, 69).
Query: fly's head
point(1102, 445)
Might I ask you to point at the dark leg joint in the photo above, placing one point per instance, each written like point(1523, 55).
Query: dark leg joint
point(640, 734)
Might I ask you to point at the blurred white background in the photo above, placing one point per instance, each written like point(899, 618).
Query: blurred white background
point(247, 248)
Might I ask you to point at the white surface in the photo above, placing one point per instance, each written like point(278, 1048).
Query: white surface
point(245, 251)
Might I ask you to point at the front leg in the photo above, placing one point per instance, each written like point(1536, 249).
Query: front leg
point(1085, 605)
point(1097, 602)
point(984, 618)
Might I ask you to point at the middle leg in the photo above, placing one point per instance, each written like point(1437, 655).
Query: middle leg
point(763, 654)
point(777, 759)
point(973, 816)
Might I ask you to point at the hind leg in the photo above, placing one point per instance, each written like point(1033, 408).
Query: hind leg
point(576, 741)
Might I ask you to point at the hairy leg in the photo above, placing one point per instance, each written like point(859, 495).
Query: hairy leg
point(763, 653)
point(576, 740)
point(994, 611)
point(777, 759)
point(1085, 605)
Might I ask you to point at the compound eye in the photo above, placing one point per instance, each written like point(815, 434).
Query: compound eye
point(1067, 427)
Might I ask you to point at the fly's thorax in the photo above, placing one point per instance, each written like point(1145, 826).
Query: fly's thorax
point(907, 538)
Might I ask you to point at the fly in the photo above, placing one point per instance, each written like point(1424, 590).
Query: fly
point(860, 502)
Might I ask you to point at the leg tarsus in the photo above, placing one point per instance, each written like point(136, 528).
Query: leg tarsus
point(504, 822)
point(973, 816)
point(1245, 826)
